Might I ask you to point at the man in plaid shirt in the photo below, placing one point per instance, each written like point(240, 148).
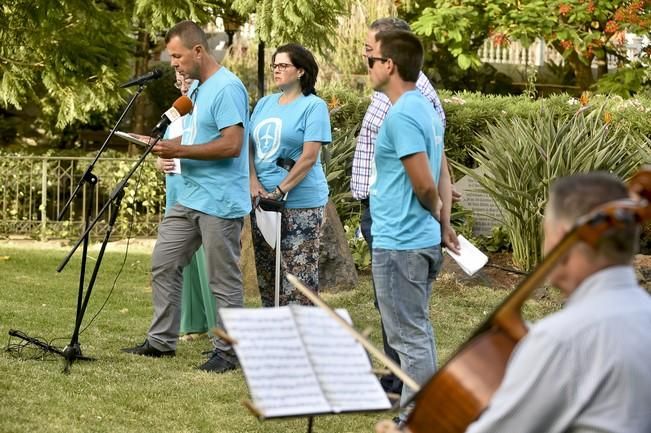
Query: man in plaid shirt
point(363, 161)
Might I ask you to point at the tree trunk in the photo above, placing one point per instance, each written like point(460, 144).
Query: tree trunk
point(582, 71)
point(140, 106)
point(261, 68)
point(247, 260)
point(602, 64)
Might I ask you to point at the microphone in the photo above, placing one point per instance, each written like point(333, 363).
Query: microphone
point(154, 74)
point(180, 107)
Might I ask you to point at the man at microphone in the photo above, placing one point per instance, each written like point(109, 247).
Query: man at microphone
point(214, 164)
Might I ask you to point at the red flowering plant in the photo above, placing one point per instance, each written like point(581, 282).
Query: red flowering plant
point(581, 30)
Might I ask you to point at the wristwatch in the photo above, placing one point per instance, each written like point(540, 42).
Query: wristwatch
point(277, 193)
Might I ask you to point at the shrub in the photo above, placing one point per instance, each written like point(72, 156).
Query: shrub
point(33, 187)
point(144, 194)
point(469, 116)
point(346, 112)
point(358, 247)
point(521, 157)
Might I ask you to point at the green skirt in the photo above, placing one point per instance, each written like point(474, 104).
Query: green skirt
point(198, 309)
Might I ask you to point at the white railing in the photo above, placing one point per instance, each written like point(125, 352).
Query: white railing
point(540, 53)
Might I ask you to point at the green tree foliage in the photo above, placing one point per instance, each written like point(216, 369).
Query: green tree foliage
point(630, 79)
point(66, 57)
point(346, 57)
point(310, 23)
point(581, 30)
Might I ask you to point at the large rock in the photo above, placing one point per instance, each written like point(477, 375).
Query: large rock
point(485, 212)
point(336, 266)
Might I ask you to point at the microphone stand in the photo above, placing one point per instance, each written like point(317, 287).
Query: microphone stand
point(72, 351)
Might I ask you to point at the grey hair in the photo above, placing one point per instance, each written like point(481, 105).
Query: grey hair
point(389, 23)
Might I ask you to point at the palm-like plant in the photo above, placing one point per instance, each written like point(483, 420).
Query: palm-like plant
point(521, 157)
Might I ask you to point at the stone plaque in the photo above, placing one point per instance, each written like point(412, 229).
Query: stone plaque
point(485, 211)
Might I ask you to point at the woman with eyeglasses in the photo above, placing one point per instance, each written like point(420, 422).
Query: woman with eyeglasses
point(288, 129)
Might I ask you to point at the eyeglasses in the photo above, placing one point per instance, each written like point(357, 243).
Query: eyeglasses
point(371, 60)
point(187, 82)
point(282, 67)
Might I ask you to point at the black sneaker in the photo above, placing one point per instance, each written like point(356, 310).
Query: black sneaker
point(391, 383)
point(146, 349)
point(220, 362)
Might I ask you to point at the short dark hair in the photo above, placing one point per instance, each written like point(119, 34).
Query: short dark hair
point(389, 23)
point(302, 58)
point(189, 33)
point(573, 196)
point(404, 49)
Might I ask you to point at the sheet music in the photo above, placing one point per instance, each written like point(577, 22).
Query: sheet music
point(340, 362)
point(276, 366)
point(298, 361)
point(131, 138)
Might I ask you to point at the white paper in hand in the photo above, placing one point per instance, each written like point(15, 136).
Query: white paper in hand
point(267, 222)
point(470, 259)
point(177, 166)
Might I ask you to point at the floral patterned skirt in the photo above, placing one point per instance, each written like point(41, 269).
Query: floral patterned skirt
point(299, 247)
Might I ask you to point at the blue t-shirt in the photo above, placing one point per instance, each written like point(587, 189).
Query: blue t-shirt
point(279, 131)
point(173, 188)
point(400, 222)
point(216, 187)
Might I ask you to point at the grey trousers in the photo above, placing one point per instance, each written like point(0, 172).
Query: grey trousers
point(180, 234)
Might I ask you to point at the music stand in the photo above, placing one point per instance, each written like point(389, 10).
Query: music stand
point(299, 362)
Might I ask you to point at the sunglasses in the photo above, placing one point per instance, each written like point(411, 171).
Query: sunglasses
point(371, 60)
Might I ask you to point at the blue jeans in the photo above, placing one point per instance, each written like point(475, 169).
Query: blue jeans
point(403, 284)
point(390, 382)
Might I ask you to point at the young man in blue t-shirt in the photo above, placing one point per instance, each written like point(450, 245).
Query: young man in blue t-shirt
point(408, 225)
point(215, 197)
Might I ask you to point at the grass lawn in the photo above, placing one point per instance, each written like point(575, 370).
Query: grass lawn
point(124, 393)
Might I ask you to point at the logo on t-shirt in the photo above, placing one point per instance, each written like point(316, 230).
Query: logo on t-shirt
point(267, 138)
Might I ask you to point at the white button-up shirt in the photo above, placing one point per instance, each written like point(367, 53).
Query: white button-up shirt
point(365, 150)
point(586, 368)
